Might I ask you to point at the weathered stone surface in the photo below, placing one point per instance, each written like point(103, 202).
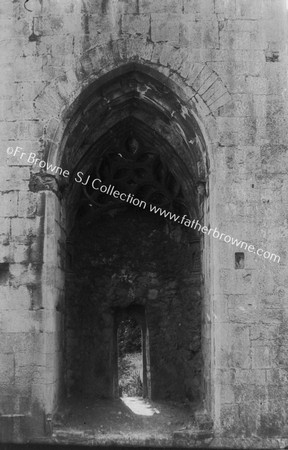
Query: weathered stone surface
point(225, 62)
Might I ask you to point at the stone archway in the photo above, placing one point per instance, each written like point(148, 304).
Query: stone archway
point(135, 103)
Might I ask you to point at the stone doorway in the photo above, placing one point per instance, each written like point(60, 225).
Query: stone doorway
point(132, 360)
point(122, 255)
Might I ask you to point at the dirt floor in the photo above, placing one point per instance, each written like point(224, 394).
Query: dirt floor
point(113, 422)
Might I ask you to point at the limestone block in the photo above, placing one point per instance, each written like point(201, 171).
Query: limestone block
point(192, 6)
point(282, 358)
point(51, 25)
point(71, 26)
point(8, 204)
point(91, 6)
point(20, 253)
point(51, 320)
point(27, 69)
point(11, 342)
point(242, 302)
point(27, 91)
point(5, 257)
point(256, 85)
point(187, 65)
point(236, 83)
point(7, 8)
point(24, 149)
point(145, 51)
point(220, 308)
point(274, 31)
point(241, 40)
point(217, 94)
point(247, 9)
point(202, 107)
point(8, 91)
point(28, 205)
point(24, 371)
point(14, 178)
point(210, 34)
point(240, 26)
point(165, 27)
point(248, 314)
point(51, 392)
point(24, 227)
point(165, 52)
point(237, 281)
point(217, 101)
point(210, 87)
point(136, 24)
point(53, 276)
point(261, 357)
point(53, 208)
point(277, 120)
point(10, 28)
point(4, 226)
point(23, 275)
point(227, 394)
point(249, 417)
point(15, 299)
point(52, 342)
point(273, 161)
point(50, 252)
point(273, 10)
point(225, 376)
point(277, 300)
point(241, 159)
point(20, 322)
point(241, 131)
point(227, 252)
point(6, 369)
point(12, 110)
point(161, 6)
point(235, 346)
point(229, 417)
point(202, 77)
point(277, 376)
point(226, 8)
point(9, 130)
point(48, 102)
point(39, 372)
point(98, 28)
point(190, 33)
point(244, 63)
point(207, 8)
point(250, 376)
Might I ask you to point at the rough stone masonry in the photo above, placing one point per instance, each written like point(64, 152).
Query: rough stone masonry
point(201, 87)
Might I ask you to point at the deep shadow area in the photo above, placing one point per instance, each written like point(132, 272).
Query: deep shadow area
point(135, 259)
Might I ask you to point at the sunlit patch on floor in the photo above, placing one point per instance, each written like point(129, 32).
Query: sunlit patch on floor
point(140, 406)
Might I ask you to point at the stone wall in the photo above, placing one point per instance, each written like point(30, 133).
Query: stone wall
point(227, 60)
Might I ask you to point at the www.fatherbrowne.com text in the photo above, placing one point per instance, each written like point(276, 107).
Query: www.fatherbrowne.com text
point(97, 184)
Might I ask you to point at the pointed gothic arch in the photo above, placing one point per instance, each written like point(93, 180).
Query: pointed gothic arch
point(131, 102)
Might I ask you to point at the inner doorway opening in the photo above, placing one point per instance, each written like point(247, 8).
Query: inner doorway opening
point(130, 359)
point(131, 353)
